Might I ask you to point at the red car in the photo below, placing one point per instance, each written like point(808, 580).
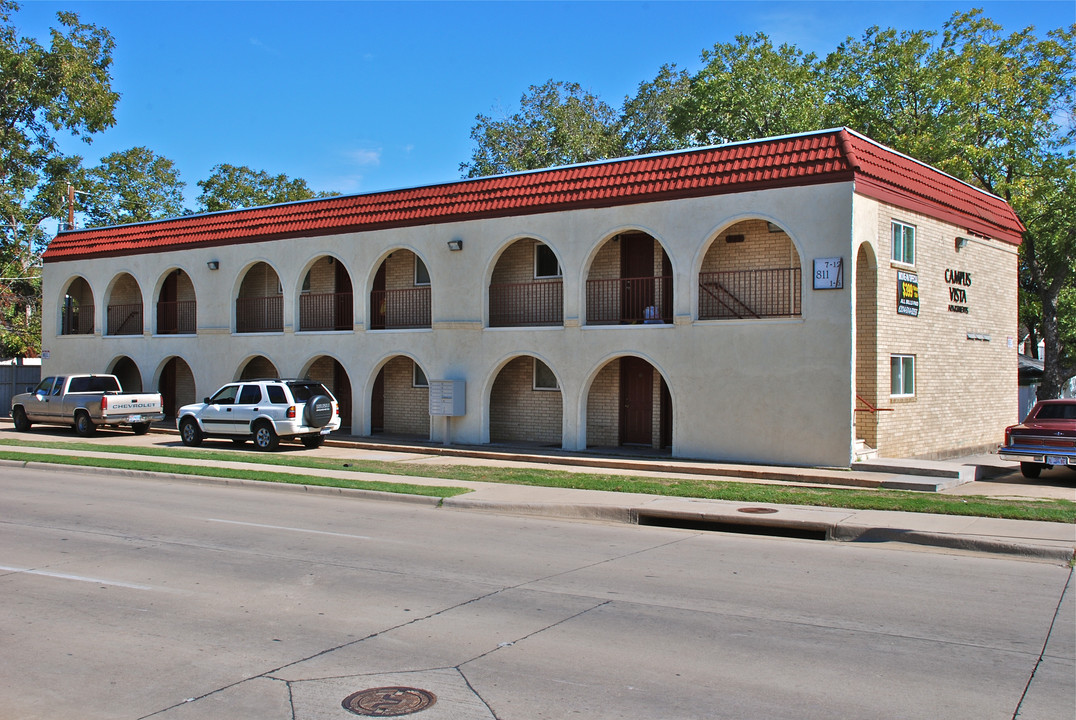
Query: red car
point(1047, 437)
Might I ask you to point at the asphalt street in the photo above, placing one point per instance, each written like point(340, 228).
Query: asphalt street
point(133, 597)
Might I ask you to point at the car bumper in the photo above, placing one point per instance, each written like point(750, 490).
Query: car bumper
point(1038, 455)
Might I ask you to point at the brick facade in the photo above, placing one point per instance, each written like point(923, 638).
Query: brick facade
point(520, 413)
point(407, 408)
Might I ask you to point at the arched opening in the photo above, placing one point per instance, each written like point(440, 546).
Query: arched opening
point(177, 310)
point(325, 298)
point(124, 307)
point(126, 371)
point(630, 282)
point(866, 407)
point(259, 368)
point(525, 404)
point(400, 294)
point(176, 385)
point(77, 309)
point(330, 373)
point(629, 404)
point(751, 270)
point(526, 288)
point(259, 307)
point(400, 399)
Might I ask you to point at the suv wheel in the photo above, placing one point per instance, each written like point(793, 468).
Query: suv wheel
point(265, 437)
point(190, 433)
point(313, 441)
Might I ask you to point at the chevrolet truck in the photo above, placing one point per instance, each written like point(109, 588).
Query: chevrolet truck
point(85, 402)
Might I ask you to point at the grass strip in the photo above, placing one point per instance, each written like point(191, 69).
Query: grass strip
point(1062, 511)
point(236, 474)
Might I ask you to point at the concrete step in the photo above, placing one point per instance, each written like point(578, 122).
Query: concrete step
point(920, 468)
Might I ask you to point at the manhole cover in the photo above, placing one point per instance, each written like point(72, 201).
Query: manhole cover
point(757, 510)
point(389, 701)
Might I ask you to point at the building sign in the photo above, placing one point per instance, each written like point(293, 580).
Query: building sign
point(828, 273)
point(907, 293)
point(958, 280)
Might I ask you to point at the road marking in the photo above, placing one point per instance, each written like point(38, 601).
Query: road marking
point(289, 529)
point(78, 578)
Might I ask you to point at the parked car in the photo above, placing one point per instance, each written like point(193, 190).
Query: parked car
point(85, 402)
point(1047, 437)
point(263, 410)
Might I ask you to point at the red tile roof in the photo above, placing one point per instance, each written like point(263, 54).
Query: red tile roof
point(823, 157)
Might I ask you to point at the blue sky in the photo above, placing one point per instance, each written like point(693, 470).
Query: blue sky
point(365, 96)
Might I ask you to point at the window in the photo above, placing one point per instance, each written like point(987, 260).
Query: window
point(225, 396)
point(544, 379)
point(902, 375)
point(546, 264)
point(903, 243)
point(418, 379)
point(250, 395)
point(422, 275)
point(276, 394)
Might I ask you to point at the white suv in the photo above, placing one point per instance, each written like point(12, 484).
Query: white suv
point(265, 410)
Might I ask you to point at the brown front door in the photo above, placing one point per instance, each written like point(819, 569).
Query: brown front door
point(378, 300)
point(377, 403)
point(636, 276)
point(636, 401)
point(167, 388)
point(168, 317)
point(344, 315)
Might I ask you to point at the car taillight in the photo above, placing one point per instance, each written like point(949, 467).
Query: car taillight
point(291, 413)
point(104, 402)
point(1008, 436)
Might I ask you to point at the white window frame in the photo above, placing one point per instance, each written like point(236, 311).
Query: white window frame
point(418, 264)
point(534, 378)
point(418, 376)
point(900, 367)
point(537, 276)
point(898, 253)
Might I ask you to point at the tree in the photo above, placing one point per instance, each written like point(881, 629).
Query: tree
point(749, 89)
point(230, 187)
point(64, 88)
point(645, 119)
point(558, 123)
point(132, 186)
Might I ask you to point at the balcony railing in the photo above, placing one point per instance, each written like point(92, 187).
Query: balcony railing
point(399, 309)
point(749, 294)
point(526, 304)
point(77, 320)
point(177, 317)
point(259, 314)
point(124, 319)
point(629, 301)
point(326, 311)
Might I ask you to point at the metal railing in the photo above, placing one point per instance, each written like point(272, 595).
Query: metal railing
point(177, 317)
point(399, 309)
point(124, 319)
point(629, 300)
point(526, 304)
point(749, 294)
point(77, 320)
point(326, 311)
point(259, 314)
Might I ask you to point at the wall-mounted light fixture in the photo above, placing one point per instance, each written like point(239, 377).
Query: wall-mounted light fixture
point(213, 264)
point(455, 245)
point(961, 242)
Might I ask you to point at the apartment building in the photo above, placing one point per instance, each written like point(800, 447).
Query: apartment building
point(784, 300)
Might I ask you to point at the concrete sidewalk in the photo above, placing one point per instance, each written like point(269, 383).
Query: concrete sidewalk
point(1030, 539)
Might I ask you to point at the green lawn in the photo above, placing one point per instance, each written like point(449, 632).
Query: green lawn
point(1063, 511)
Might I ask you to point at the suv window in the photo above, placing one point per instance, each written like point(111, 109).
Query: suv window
point(251, 395)
point(225, 396)
point(303, 391)
point(276, 394)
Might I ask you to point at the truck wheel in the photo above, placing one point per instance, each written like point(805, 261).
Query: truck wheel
point(265, 437)
point(22, 423)
point(313, 441)
point(83, 425)
point(1030, 470)
point(190, 433)
point(140, 428)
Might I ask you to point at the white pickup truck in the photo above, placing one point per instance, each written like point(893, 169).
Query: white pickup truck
point(85, 402)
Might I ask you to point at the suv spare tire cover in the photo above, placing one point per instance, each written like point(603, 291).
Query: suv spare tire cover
point(318, 411)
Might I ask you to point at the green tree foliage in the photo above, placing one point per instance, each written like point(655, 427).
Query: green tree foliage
point(645, 122)
point(558, 123)
point(230, 187)
point(131, 186)
point(44, 92)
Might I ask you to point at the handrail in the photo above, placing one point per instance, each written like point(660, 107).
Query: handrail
point(870, 408)
point(730, 294)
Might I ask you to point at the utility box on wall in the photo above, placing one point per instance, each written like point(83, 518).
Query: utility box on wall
point(448, 398)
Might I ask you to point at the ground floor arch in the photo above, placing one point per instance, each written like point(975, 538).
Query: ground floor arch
point(328, 371)
point(525, 404)
point(400, 399)
point(176, 385)
point(126, 371)
point(866, 348)
point(629, 404)
point(258, 367)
